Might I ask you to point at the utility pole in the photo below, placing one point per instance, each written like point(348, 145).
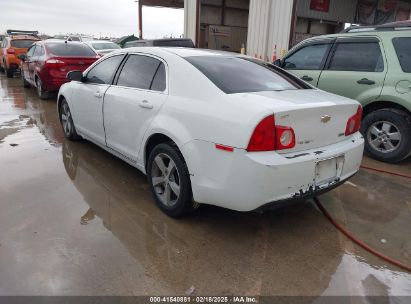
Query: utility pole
point(140, 18)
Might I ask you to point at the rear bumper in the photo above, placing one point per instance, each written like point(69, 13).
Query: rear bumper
point(248, 181)
point(54, 84)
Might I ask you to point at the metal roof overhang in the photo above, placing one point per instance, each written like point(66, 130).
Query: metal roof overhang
point(163, 3)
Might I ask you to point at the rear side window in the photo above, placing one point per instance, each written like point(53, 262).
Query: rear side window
point(22, 44)
point(357, 57)
point(138, 72)
point(240, 75)
point(70, 50)
point(307, 58)
point(103, 72)
point(403, 48)
point(39, 51)
point(159, 81)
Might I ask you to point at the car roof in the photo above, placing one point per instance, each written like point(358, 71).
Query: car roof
point(23, 37)
point(179, 51)
point(98, 41)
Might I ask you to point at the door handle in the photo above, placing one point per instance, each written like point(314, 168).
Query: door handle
point(98, 95)
point(307, 78)
point(145, 104)
point(366, 81)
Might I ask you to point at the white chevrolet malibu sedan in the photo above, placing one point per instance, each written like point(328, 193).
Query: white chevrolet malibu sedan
point(214, 128)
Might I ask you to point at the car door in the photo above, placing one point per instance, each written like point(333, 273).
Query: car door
point(130, 105)
point(25, 65)
point(34, 68)
point(308, 61)
point(356, 69)
point(88, 98)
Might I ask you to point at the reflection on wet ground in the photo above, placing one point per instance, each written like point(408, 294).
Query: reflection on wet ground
point(75, 220)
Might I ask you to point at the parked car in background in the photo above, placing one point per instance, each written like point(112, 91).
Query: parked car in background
point(102, 47)
point(46, 64)
point(80, 38)
point(172, 42)
point(14, 44)
point(373, 66)
point(213, 127)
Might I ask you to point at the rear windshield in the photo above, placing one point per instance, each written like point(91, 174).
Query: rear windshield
point(174, 43)
point(105, 46)
point(22, 43)
point(240, 75)
point(70, 50)
point(403, 47)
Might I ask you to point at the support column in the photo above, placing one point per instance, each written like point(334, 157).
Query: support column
point(192, 20)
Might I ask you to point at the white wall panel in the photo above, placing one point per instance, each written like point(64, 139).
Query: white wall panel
point(190, 19)
point(269, 25)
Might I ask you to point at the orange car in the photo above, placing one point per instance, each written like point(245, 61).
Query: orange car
point(14, 44)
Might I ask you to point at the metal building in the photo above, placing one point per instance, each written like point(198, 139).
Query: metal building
point(269, 28)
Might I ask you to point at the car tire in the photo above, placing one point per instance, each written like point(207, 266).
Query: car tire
point(169, 180)
point(387, 134)
point(26, 84)
point(40, 91)
point(67, 123)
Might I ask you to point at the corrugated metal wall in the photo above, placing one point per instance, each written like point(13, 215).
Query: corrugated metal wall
point(190, 19)
point(268, 26)
point(340, 10)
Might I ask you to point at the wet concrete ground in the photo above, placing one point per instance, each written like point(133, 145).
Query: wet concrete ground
point(75, 220)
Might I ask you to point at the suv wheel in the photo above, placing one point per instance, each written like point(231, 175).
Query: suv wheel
point(9, 73)
point(387, 135)
point(169, 180)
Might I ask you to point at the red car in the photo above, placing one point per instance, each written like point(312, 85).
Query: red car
point(46, 64)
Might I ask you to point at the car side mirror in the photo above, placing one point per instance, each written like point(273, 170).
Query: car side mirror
point(75, 76)
point(22, 57)
point(278, 63)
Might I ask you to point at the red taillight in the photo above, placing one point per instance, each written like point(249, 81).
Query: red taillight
point(263, 138)
point(354, 123)
point(55, 62)
point(11, 51)
point(269, 137)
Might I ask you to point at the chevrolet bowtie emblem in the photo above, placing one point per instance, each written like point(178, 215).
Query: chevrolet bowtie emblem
point(325, 119)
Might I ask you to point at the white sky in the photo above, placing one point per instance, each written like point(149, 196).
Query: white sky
point(109, 17)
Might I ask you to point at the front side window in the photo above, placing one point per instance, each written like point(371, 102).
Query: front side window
point(38, 52)
point(307, 58)
point(103, 72)
point(240, 75)
point(138, 72)
point(357, 57)
point(402, 47)
point(30, 52)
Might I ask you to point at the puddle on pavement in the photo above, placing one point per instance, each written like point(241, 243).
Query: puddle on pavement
point(75, 220)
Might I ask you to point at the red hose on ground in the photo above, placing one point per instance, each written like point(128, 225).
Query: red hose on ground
point(387, 172)
point(358, 241)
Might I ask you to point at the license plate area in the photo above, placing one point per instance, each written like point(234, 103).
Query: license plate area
point(329, 170)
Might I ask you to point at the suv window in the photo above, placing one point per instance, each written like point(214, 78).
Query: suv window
point(307, 58)
point(22, 43)
point(402, 47)
point(138, 72)
point(103, 72)
point(357, 57)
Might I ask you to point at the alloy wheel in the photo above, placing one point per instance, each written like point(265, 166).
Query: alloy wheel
point(66, 119)
point(384, 136)
point(165, 179)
